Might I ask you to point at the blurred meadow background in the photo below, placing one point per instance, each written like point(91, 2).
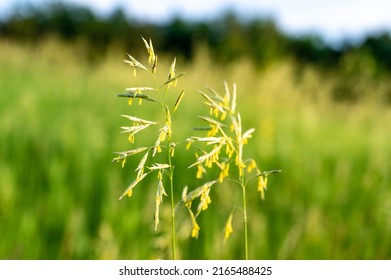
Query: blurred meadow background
point(322, 114)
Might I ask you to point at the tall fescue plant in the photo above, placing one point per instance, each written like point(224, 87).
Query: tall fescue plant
point(221, 147)
point(156, 95)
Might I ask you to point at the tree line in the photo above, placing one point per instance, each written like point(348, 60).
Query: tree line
point(228, 38)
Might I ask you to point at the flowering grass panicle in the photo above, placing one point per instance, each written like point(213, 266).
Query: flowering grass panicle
point(157, 96)
point(223, 147)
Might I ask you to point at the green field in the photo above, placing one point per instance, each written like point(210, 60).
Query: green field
point(60, 124)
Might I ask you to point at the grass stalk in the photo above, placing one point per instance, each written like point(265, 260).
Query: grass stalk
point(153, 95)
point(227, 139)
point(245, 224)
point(173, 237)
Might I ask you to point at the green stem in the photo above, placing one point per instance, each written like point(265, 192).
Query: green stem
point(173, 250)
point(245, 219)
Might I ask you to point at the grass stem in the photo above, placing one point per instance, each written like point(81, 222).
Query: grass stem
point(245, 219)
point(173, 238)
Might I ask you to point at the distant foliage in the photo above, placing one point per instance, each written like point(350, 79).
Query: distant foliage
point(228, 38)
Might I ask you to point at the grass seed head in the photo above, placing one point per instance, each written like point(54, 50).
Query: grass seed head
point(228, 230)
point(262, 185)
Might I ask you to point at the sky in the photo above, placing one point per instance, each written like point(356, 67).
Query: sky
point(334, 20)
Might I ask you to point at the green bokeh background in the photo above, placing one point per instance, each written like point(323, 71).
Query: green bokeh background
point(60, 124)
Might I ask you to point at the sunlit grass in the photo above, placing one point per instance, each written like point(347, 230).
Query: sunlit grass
point(59, 119)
